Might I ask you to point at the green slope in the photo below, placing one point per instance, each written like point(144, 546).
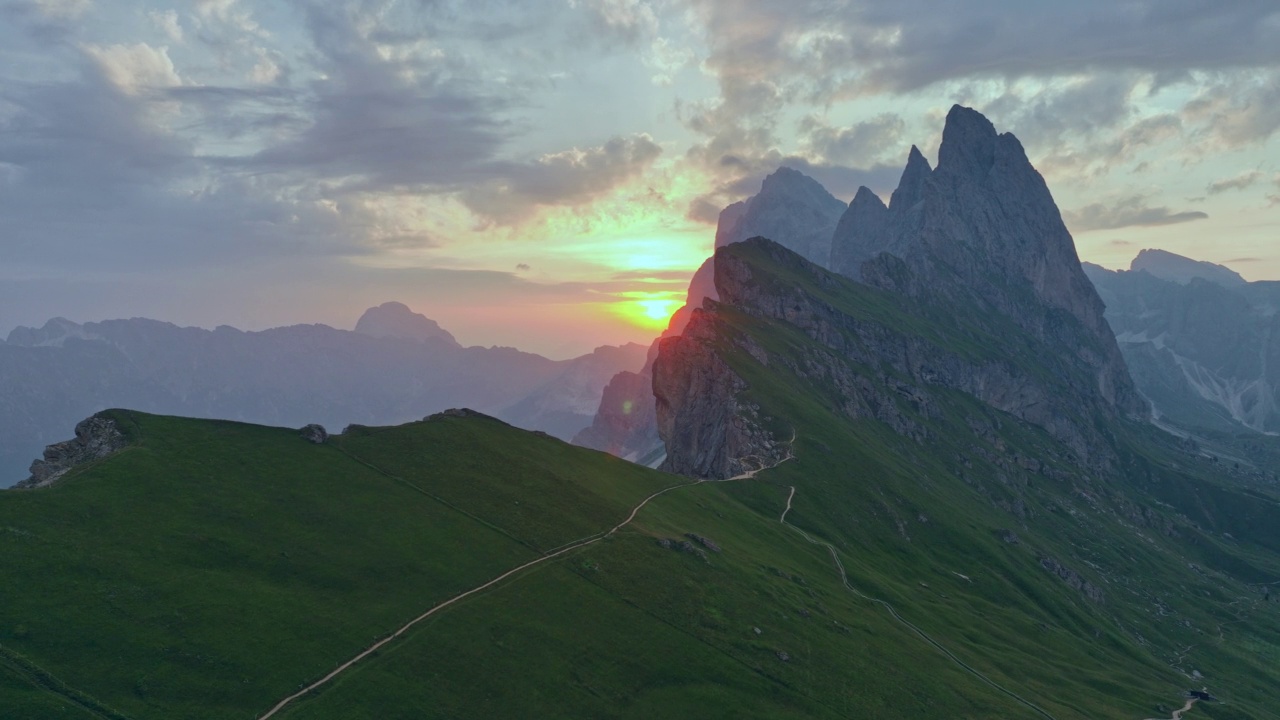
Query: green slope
point(212, 569)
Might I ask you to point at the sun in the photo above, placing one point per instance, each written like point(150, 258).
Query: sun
point(648, 310)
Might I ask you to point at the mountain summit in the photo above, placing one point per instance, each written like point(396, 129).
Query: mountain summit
point(983, 227)
point(396, 320)
point(791, 209)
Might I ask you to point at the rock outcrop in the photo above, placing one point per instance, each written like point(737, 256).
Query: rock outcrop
point(314, 433)
point(96, 438)
point(625, 424)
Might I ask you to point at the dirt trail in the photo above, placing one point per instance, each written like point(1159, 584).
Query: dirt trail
point(844, 579)
point(1177, 714)
point(561, 551)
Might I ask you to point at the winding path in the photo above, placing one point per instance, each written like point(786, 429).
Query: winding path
point(844, 578)
point(589, 540)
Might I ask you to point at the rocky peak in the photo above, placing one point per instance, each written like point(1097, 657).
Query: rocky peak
point(396, 320)
point(792, 209)
point(968, 143)
point(1177, 268)
point(985, 229)
point(859, 230)
point(911, 187)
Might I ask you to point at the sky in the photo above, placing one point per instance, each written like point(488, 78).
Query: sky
point(546, 174)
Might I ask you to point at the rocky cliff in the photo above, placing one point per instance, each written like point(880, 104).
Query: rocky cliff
point(880, 367)
point(983, 228)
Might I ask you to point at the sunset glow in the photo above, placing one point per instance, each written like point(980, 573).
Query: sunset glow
point(648, 310)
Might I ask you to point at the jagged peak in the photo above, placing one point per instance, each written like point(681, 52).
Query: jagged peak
point(865, 196)
point(789, 182)
point(968, 142)
point(911, 185)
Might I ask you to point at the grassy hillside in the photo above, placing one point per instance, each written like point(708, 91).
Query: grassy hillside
point(212, 569)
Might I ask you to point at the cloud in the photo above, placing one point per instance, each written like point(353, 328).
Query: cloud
point(1131, 211)
point(567, 178)
point(628, 20)
point(1240, 182)
point(859, 144)
point(168, 23)
point(135, 68)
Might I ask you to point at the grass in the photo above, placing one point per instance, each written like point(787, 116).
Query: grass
point(213, 568)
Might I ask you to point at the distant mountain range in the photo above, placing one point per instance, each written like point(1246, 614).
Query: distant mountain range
point(395, 366)
point(1201, 343)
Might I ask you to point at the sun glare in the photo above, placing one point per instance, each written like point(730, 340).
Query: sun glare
point(647, 310)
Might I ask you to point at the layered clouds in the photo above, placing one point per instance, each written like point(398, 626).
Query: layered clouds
point(255, 163)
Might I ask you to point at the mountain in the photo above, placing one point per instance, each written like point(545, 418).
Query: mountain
point(1176, 268)
point(897, 429)
point(1202, 344)
point(396, 320)
point(792, 208)
point(890, 544)
point(398, 366)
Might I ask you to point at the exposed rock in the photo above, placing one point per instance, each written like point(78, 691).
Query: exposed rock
point(314, 434)
point(396, 320)
point(707, 543)
point(792, 209)
point(707, 432)
point(1073, 579)
point(1010, 537)
point(96, 438)
point(908, 364)
point(983, 228)
point(457, 413)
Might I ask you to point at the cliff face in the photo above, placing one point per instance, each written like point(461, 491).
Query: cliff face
point(885, 368)
point(709, 432)
point(983, 228)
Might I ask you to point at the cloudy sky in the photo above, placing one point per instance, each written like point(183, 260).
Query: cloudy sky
point(533, 172)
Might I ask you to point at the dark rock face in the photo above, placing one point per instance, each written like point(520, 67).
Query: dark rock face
point(396, 320)
point(982, 227)
point(791, 209)
point(1204, 349)
point(314, 434)
point(96, 438)
point(708, 432)
point(1057, 405)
